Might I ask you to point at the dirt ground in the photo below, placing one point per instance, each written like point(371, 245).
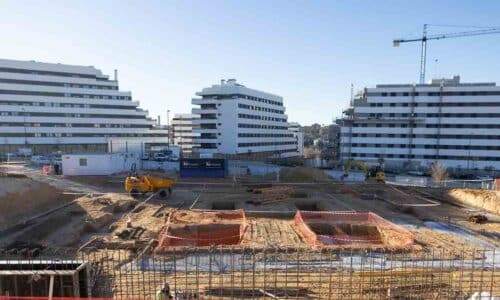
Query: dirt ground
point(113, 220)
point(22, 198)
point(483, 199)
point(271, 232)
point(72, 224)
point(104, 216)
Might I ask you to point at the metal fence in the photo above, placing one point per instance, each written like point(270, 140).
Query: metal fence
point(299, 273)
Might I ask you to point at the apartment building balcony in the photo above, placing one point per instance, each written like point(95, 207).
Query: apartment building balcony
point(199, 140)
point(205, 130)
point(390, 120)
point(200, 111)
point(205, 121)
point(206, 146)
point(200, 101)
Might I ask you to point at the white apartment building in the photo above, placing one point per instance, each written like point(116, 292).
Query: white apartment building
point(55, 107)
point(296, 130)
point(453, 123)
point(238, 120)
point(182, 132)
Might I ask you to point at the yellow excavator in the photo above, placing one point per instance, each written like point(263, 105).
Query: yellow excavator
point(137, 185)
point(373, 173)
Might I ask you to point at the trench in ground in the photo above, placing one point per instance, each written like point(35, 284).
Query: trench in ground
point(348, 231)
point(223, 205)
point(204, 235)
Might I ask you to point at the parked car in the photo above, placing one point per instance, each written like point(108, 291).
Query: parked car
point(160, 157)
point(145, 156)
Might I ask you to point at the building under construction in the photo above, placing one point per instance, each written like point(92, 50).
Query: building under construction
point(414, 125)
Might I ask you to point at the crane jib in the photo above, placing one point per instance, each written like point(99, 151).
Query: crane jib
point(425, 38)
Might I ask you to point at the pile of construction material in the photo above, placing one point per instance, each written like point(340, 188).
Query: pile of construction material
point(273, 194)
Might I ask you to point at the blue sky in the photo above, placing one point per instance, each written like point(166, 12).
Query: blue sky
point(309, 52)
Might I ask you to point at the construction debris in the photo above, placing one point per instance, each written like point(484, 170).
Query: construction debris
point(273, 194)
point(478, 218)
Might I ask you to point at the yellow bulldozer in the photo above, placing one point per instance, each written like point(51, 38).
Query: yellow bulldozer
point(137, 185)
point(373, 173)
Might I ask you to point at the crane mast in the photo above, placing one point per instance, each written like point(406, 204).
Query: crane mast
point(425, 37)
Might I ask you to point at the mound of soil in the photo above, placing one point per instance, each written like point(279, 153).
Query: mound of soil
point(301, 174)
point(21, 198)
point(485, 199)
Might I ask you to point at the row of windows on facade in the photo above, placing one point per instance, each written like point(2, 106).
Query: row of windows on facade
point(434, 104)
point(79, 125)
point(392, 125)
point(61, 84)
point(180, 131)
point(429, 115)
point(435, 157)
point(50, 148)
point(414, 146)
point(67, 95)
point(209, 135)
point(433, 94)
point(266, 135)
point(259, 108)
point(277, 151)
point(52, 73)
point(68, 115)
point(62, 104)
point(59, 134)
point(261, 126)
point(263, 144)
point(264, 118)
point(424, 136)
point(240, 96)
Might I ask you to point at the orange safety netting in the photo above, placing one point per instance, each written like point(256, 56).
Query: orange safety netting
point(203, 228)
point(359, 229)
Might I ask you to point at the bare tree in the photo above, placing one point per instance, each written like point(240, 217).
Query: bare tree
point(439, 173)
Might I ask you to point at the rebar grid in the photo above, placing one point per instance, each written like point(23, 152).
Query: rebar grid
point(293, 273)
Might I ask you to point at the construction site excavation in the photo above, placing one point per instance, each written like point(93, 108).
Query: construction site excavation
point(245, 237)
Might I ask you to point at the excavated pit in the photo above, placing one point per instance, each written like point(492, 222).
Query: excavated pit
point(203, 228)
point(223, 205)
point(308, 206)
point(350, 229)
